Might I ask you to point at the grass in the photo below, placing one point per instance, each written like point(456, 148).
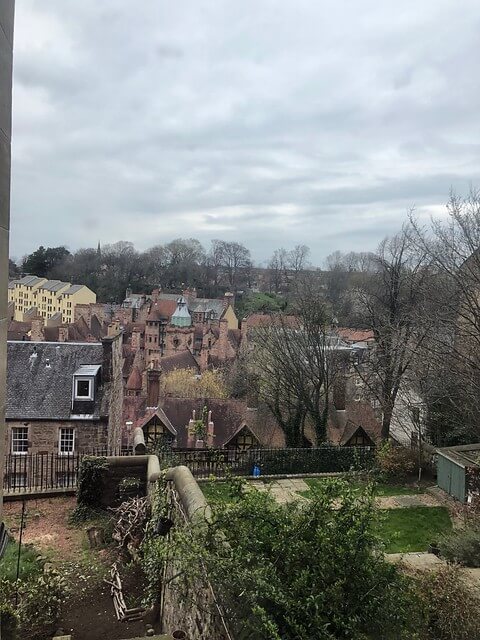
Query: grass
point(413, 528)
point(381, 489)
point(29, 565)
point(217, 491)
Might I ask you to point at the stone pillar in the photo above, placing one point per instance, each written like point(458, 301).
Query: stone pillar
point(210, 431)
point(6, 54)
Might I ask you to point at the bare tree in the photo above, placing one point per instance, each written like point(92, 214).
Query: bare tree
point(394, 307)
point(234, 259)
point(453, 247)
point(298, 362)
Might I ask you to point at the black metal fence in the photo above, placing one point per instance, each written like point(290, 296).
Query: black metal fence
point(204, 463)
point(46, 471)
point(40, 472)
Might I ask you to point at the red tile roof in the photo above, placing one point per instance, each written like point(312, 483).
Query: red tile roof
point(355, 335)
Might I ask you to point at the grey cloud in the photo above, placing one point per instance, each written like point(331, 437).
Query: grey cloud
point(268, 123)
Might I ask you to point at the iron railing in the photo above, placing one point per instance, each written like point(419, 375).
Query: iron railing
point(41, 472)
point(204, 463)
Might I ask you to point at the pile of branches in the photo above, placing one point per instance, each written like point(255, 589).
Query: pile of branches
point(130, 520)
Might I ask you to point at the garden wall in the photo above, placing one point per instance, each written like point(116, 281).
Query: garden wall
point(189, 607)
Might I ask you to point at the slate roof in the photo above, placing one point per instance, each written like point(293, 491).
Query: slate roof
point(37, 389)
point(54, 285)
point(30, 281)
point(73, 289)
point(181, 360)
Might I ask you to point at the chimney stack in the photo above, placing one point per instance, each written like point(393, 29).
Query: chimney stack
point(228, 300)
point(37, 333)
point(63, 334)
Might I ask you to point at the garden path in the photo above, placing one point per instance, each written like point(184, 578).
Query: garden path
point(288, 490)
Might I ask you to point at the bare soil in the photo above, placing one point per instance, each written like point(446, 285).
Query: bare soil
point(88, 613)
point(46, 525)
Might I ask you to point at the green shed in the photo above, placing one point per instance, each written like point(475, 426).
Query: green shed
point(458, 471)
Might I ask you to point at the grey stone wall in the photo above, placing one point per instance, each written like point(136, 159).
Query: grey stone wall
point(189, 607)
point(6, 52)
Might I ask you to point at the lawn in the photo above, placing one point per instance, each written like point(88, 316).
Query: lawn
point(216, 491)
point(413, 528)
point(381, 489)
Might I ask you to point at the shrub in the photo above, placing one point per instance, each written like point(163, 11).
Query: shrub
point(462, 546)
point(450, 605)
point(394, 462)
point(8, 622)
point(90, 489)
point(39, 601)
point(310, 570)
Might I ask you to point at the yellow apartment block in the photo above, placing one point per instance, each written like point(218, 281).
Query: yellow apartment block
point(47, 298)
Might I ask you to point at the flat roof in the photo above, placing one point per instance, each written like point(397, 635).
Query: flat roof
point(87, 370)
point(468, 455)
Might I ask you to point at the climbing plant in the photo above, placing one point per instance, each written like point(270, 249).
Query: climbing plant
point(91, 478)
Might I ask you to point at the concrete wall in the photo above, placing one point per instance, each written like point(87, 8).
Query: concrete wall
point(6, 51)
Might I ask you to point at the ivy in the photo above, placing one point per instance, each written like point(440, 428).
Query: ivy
point(91, 478)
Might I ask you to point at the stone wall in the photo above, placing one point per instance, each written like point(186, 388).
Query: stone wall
point(113, 377)
point(6, 52)
point(43, 435)
point(195, 612)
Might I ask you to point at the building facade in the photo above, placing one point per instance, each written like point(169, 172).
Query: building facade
point(48, 298)
point(63, 398)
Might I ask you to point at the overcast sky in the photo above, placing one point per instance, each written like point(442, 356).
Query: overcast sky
point(270, 122)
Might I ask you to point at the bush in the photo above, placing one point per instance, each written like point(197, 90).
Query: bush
point(40, 598)
point(91, 479)
point(462, 546)
point(8, 622)
point(310, 570)
point(395, 462)
point(450, 605)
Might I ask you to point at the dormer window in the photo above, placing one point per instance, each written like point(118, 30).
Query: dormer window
point(83, 388)
point(84, 384)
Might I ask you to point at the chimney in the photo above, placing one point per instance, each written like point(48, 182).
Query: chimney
point(155, 295)
point(153, 387)
point(228, 300)
point(63, 334)
point(37, 333)
point(189, 293)
point(136, 339)
point(210, 431)
point(191, 435)
point(113, 329)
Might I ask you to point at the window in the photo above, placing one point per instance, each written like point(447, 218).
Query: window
point(83, 389)
point(359, 440)
point(19, 440)
point(66, 441)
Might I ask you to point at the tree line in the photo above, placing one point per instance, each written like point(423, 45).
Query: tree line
point(183, 262)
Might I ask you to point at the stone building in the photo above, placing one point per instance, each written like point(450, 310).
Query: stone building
point(63, 398)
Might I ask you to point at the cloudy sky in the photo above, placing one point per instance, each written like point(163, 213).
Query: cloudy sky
point(270, 122)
